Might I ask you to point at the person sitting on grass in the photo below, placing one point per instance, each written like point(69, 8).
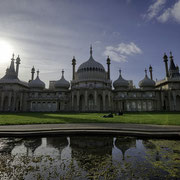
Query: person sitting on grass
point(109, 115)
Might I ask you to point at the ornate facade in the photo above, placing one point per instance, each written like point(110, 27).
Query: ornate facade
point(90, 90)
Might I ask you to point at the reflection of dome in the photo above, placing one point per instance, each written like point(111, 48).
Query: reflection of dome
point(125, 143)
point(37, 83)
point(120, 82)
point(91, 152)
point(32, 144)
point(146, 82)
point(62, 83)
point(57, 142)
point(91, 69)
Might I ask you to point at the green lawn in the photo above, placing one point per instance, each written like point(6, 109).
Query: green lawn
point(48, 118)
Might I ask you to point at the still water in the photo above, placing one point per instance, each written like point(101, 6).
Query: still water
point(89, 157)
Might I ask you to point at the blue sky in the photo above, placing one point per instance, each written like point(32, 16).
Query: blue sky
point(48, 33)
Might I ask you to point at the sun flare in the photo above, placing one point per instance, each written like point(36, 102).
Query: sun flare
point(6, 51)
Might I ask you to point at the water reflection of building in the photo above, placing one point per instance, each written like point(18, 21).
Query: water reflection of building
point(125, 143)
point(90, 151)
point(58, 143)
point(32, 144)
point(8, 144)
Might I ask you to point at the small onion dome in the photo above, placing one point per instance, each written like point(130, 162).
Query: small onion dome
point(120, 82)
point(146, 82)
point(62, 83)
point(37, 83)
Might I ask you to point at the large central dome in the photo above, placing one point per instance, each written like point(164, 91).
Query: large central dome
point(91, 70)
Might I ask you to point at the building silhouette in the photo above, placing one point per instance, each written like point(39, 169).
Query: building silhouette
point(90, 90)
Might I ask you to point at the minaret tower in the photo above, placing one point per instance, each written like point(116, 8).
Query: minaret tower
point(32, 72)
point(74, 66)
point(12, 64)
point(18, 60)
point(166, 64)
point(108, 67)
point(150, 70)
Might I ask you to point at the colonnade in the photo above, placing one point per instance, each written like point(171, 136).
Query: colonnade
point(135, 105)
point(11, 101)
point(91, 101)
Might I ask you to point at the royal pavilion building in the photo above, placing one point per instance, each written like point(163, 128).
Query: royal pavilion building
point(90, 90)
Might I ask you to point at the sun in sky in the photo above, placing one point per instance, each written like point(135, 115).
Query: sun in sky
point(6, 51)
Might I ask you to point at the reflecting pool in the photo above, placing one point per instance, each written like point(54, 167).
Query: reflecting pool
point(89, 157)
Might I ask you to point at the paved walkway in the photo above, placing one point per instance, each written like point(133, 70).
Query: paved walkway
point(91, 128)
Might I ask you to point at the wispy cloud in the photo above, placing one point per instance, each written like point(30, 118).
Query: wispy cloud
point(173, 12)
point(122, 51)
point(154, 9)
point(159, 11)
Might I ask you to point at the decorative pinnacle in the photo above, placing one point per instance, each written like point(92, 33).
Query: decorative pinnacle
point(165, 57)
point(38, 72)
point(33, 69)
point(145, 71)
point(62, 72)
point(108, 60)
point(91, 50)
point(18, 60)
point(12, 56)
point(120, 72)
point(150, 68)
point(171, 56)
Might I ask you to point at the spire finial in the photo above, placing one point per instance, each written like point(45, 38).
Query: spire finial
point(150, 67)
point(120, 71)
point(62, 72)
point(171, 56)
point(145, 71)
point(12, 56)
point(38, 73)
point(91, 50)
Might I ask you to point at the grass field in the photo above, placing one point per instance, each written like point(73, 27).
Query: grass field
point(48, 118)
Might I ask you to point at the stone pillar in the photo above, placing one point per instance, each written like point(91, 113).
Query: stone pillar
point(104, 107)
point(72, 105)
point(136, 105)
point(14, 103)
point(109, 100)
point(9, 101)
point(86, 100)
point(169, 99)
point(77, 101)
point(21, 101)
point(142, 106)
point(174, 100)
point(162, 100)
point(2, 99)
point(147, 108)
point(95, 100)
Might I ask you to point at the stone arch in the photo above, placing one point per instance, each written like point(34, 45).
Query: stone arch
point(90, 102)
point(81, 103)
point(5, 103)
point(178, 103)
point(100, 103)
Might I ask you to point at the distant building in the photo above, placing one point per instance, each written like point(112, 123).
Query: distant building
point(90, 90)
